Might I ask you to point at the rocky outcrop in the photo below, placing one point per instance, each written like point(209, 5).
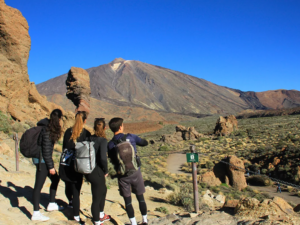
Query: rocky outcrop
point(226, 125)
point(210, 179)
point(78, 88)
point(230, 174)
point(18, 96)
point(236, 173)
point(182, 133)
point(276, 209)
point(212, 201)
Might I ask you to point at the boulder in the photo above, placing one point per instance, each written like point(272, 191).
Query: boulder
point(226, 125)
point(276, 209)
point(210, 179)
point(78, 88)
point(236, 172)
point(231, 203)
point(283, 205)
point(213, 202)
point(18, 96)
point(297, 208)
point(182, 133)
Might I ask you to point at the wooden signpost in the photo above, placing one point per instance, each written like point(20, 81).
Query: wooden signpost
point(193, 158)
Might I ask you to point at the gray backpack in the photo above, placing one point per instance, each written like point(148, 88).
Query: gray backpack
point(85, 158)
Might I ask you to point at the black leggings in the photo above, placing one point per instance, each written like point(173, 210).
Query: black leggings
point(142, 205)
point(72, 191)
point(40, 178)
point(99, 190)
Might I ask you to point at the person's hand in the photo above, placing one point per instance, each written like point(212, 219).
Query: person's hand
point(52, 171)
point(106, 175)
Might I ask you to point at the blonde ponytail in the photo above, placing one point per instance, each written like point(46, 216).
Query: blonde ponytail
point(78, 126)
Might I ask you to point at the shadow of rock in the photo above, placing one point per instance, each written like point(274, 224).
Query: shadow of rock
point(155, 199)
point(155, 185)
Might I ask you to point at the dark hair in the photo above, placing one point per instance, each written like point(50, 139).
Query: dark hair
point(54, 126)
point(115, 124)
point(99, 127)
point(80, 117)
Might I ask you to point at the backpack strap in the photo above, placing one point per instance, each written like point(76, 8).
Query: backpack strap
point(120, 140)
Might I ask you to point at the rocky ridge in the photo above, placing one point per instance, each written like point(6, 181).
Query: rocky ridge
point(18, 96)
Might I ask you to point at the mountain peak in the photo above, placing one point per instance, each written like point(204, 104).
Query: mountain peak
point(117, 60)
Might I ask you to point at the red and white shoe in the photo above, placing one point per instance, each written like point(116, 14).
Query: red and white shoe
point(105, 218)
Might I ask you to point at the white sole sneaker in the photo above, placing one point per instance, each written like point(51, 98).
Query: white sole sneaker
point(54, 207)
point(40, 217)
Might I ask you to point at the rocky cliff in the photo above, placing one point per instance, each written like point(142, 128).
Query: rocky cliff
point(18, 96)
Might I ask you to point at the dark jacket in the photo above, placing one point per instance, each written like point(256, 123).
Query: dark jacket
point(101, 152)
point(46, 143)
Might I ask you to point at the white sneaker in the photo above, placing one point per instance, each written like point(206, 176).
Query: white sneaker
point(40, 217)
point(54, 207)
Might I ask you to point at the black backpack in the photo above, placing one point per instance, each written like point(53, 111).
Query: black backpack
point(29, 143)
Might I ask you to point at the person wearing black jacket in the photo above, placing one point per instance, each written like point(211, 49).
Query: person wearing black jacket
point(77, 133)
point(51, 132)
point(97, 178)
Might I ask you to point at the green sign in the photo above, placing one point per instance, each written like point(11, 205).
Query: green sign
point(192, 157)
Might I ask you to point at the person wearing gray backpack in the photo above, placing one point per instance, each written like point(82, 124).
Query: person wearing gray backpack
point(90, 160)
point(73, 180)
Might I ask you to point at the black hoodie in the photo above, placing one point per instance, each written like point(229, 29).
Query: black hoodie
point(46, 143)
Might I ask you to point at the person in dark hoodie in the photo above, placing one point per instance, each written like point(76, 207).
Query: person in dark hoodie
point(50, 134)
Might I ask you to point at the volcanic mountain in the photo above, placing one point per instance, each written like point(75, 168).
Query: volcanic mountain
point(136, 84)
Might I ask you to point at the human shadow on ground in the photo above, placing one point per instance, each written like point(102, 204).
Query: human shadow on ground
point(26, 192)
point(13, 196)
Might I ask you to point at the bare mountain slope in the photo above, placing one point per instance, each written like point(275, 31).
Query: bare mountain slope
point(133, 83)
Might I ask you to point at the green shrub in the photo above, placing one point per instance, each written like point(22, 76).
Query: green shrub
point(162, 210)
point(209, 164)
point(163, 148)
point(4, 123)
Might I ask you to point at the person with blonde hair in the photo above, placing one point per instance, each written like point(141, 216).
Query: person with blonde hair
point(73, 180)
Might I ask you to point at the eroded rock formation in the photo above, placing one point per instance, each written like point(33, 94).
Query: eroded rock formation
point(182, 133)
point(18, 96)
point(226, 125)
point(78, 88)
point(230, 174)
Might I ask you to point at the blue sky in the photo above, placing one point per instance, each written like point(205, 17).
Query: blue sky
point(251, 45)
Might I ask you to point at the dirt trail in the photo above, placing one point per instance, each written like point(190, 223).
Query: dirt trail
point(16, 196)
point(174, 162)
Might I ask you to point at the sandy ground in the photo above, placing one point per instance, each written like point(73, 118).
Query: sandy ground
point(16, 195)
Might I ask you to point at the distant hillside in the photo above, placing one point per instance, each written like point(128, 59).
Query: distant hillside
point(133, 83)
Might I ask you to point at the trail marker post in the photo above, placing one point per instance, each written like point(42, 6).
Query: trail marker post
point(17, 151)
point(193, 158)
